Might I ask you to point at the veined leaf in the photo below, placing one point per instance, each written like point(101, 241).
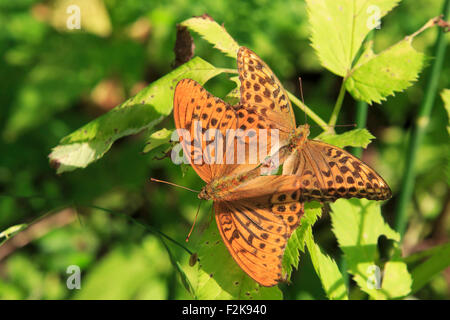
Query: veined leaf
point(157, 138)
point(142, 111)
point(353, 138)
point(219, 277)
point(214, 33)
point(357, 225)
point(377, 76)
point(296, 242)
point(339, 27)
point(327, 270)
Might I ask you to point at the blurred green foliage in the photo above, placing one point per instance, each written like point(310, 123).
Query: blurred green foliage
point(53, 81)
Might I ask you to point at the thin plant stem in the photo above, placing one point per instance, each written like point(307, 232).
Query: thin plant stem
point(146, 226)
point(419, 129)
point(308, 111)
point(361, 120)
point(338, 105)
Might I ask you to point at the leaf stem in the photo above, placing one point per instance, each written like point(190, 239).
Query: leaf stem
point(338, 105)
point(419, 129)
point(153, 230)
point(308, 111)
point(226, 70)
point(361, 121)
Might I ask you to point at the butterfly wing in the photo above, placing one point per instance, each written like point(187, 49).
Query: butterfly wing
point(207, 127)
point(263, 94)
point(255, 231)
point(328, 173)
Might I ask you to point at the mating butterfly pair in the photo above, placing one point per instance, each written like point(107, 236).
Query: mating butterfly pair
point(257, 214)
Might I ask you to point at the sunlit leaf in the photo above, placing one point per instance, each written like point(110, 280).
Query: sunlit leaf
point(140, 112)
point(296, 242)
point(327, 270)
point(212, 32)
point(353, 138)
point(339, 27)
point(219, 276)
point(377, 76)
point(358, 224)
point(157, 139)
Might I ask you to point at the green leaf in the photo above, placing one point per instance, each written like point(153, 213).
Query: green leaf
point(157, 139)
point(377, 76)
point(424, 272)
point(142, 273)
point(183, 277)
point(445, 94)
point(11, 231)
point(353, 138)
point(357, 225)
point(328, 271)
point(219, 277)
point(140, 112)
point(339, 27)
point(234, 96)
point(214, 33)
point(296, 242)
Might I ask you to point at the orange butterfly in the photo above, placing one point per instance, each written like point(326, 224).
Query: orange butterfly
point(254, 221)
point(256, 214)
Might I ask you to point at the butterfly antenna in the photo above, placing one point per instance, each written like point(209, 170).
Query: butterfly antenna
point(341, 125)
point(195, 220)
point(301, 94)
point(173, 184)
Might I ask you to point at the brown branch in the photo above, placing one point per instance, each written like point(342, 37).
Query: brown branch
point(37, 230)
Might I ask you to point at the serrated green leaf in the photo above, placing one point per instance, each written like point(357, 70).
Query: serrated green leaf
point(339, 27)
point(219, 277)
point(353, 138)
point(140, 112)
point(377, 76)
point(357, 224)
point(296, 242)
point(445, 94)
point(214, 33)
point(157, 139)
point(328, 271)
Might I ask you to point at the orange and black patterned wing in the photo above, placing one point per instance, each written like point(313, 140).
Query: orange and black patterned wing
point(262, 94)
point(256, 230)
point(207, 127)
point(328, 173)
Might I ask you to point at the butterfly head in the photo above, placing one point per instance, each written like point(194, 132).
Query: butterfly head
point(299, 136)
point(205, 193)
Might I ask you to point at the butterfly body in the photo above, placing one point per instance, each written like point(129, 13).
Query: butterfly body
point(220, 189)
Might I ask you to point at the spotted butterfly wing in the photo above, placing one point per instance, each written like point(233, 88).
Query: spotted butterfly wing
point(207, 127)
point(256, 226)
point(263, 94)
point(328, 173)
